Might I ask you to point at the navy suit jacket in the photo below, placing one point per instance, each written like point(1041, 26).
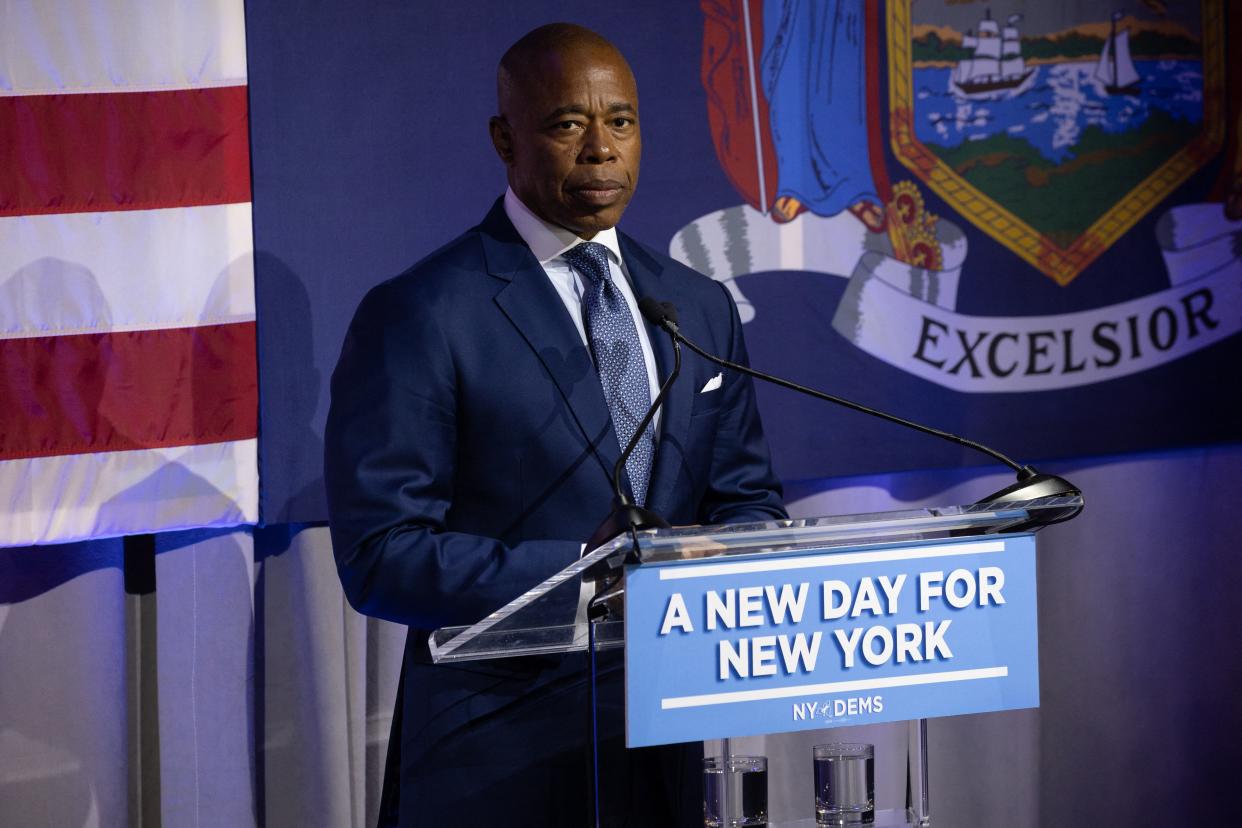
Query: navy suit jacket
point(469, 450)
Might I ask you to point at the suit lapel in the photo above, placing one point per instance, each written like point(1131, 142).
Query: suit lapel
point(533, 306)
point(645, 272)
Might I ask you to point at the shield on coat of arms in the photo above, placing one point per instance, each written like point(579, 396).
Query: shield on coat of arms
point(1055, 127)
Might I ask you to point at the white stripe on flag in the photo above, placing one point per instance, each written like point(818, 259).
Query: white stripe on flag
point(123, 492)
point(128, 270)
point(70, 46)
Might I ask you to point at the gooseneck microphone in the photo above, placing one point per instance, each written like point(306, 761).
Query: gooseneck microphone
point(1031, 483)
point(627, 516)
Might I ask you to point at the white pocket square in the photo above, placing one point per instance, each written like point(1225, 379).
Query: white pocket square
point(713, 383)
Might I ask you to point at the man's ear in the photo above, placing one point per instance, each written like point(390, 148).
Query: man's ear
point(502, 138)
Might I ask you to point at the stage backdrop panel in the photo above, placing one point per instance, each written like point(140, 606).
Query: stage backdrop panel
point(1019, 224)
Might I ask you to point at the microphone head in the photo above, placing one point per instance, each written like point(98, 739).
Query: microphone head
point(660, 314)
point(652, 310)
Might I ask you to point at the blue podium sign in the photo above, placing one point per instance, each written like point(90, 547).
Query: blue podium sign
point(747, 645)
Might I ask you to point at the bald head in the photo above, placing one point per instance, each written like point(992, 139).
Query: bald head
point(531, 55)
point(567, 127)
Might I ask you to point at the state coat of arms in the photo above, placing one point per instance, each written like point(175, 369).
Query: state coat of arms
point(878, 142)
point(1055, 127)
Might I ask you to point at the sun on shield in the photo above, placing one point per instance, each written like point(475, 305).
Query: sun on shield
point(1055, 127)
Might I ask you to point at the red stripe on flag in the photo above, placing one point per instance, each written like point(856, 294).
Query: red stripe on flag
point(131, 390)
point(123, 151)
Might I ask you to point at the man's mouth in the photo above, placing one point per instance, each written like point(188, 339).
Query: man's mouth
point(603, 192)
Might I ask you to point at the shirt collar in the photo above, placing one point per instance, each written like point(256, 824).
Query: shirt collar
point(550, 241)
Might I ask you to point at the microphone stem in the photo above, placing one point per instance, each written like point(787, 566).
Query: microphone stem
point(953, 438)
point(644, 422)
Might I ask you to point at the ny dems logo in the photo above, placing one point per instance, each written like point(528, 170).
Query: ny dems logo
point(837, 709)
point(1051, 129)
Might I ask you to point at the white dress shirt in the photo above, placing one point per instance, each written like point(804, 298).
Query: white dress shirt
point(549, 242)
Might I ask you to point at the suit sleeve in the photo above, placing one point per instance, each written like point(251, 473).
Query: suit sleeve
point(742, 486)
point(389, 458)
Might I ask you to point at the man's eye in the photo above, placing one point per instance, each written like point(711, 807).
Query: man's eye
point(565, 126)
point(620, 123)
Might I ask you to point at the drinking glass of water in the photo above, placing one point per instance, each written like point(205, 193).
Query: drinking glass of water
point(735, 791)
point(844, 784)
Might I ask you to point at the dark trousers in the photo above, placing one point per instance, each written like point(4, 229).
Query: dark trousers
point(531, 764)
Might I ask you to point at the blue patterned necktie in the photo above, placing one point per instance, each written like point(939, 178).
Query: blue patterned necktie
point(618, 358)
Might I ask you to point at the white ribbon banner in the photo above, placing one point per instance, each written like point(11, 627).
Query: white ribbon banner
point(906, 315)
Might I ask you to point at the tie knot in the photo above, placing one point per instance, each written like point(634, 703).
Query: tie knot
point(590, 259)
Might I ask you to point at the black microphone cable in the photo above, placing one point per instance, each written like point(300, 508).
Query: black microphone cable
point(1031, 483)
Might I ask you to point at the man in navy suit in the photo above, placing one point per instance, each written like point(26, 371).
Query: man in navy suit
point(471, 441)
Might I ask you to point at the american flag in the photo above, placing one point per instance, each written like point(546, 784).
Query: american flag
point(128, 378)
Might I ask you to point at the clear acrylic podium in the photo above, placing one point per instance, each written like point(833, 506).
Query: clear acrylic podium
point(542, 621)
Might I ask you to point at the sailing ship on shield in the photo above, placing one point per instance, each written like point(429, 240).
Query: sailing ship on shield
point(995, 64)
point(1116, 69)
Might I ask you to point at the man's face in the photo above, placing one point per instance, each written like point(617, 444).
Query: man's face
point(569, 136)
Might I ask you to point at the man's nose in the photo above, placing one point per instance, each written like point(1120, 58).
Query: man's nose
point(597, 145)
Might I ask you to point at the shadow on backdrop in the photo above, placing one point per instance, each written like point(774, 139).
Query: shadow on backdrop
point(290, 451)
